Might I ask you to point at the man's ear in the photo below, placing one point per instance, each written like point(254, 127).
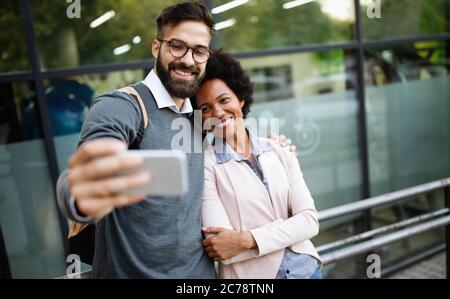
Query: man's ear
point(155, 48)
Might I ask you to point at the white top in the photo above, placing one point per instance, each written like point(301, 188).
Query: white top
point(162, 96)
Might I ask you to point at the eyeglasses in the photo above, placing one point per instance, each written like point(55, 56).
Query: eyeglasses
point(178, 49)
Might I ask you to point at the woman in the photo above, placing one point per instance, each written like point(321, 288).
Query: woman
point(257, 212)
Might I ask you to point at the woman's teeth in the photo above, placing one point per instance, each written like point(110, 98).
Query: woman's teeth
point(225, 124)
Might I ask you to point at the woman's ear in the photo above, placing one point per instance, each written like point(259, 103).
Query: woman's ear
point(242, 103)
point(155, 48)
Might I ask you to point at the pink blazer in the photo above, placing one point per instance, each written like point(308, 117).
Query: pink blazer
point(235, 198)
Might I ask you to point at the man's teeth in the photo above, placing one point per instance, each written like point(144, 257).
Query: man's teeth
point(183, 73)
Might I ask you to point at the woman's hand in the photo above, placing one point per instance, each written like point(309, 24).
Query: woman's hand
point(226, 243)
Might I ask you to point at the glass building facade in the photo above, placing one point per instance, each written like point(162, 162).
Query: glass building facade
point(362, 90)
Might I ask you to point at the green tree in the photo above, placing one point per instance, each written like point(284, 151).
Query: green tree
point(13, 47)
point(263, 24)
point(407, 18)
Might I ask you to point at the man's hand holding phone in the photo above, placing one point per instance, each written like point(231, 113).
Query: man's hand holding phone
point(94, 178)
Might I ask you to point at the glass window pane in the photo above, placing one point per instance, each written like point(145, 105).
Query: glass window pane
point(28, 212)
point(13, 46)
point(408, 122)
point(408, 104)
point(404, 18)
point(267, 24)
point(69, 99)
point(125, 35)
point(312, 96)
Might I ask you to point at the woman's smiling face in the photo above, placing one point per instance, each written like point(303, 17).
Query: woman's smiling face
point(221, 109)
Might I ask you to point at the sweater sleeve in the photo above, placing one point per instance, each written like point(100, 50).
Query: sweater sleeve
point(112, 115)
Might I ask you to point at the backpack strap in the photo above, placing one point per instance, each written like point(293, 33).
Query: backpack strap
point(135, 144)
point(133, 92)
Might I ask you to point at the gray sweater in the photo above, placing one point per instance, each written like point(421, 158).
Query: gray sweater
point(159, 237)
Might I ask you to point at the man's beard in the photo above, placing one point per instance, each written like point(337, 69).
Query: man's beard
point(179, 88)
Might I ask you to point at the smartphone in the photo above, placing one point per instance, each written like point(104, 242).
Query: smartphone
point(168, 170)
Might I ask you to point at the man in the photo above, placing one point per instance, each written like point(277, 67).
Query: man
point(153, 237)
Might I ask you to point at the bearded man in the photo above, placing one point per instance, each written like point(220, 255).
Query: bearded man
point(136, 236)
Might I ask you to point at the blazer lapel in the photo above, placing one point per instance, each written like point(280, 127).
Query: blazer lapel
point(252, 200)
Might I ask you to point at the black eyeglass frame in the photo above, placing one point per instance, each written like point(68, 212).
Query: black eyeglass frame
point(169, 42)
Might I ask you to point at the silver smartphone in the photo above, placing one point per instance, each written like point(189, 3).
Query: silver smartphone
point(168, 170)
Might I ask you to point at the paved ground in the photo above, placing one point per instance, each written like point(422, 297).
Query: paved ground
point(433, 268)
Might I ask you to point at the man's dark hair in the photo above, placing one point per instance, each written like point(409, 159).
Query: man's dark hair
point(225, 67)
point(186, 11)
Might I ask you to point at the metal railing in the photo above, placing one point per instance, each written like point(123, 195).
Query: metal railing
point(434, 219)
point(409, 227)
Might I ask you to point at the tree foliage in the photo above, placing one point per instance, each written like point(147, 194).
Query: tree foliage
point(260, 24)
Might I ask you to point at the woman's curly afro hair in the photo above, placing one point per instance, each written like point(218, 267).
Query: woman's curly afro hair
point(225, 67)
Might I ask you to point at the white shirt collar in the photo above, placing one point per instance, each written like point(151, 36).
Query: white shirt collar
point(162, 96)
